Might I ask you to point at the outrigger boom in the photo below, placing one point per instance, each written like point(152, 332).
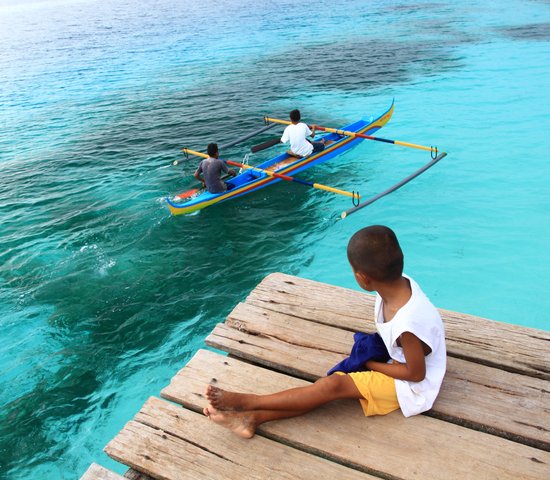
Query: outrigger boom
point(432, 150)
point(354, 195)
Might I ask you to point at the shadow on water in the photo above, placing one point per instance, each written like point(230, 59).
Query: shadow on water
point(532, 31)
point(190, 270)
point(357, 65)
point(228, 104)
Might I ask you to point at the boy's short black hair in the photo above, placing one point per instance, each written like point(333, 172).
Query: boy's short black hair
point(212, 149)
point(295, 115)
point(375, 252)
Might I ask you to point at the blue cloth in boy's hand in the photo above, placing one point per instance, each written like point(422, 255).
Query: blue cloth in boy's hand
point(367, 346)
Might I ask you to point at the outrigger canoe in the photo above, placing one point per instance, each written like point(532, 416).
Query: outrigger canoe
point(251, 180)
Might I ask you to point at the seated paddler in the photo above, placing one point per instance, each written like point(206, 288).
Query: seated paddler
point(210, 171)
point(296, 134)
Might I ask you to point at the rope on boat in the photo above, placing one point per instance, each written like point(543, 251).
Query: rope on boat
point(245, 163)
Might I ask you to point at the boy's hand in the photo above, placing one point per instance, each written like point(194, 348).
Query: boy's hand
point(371, 363)
point(414, 368)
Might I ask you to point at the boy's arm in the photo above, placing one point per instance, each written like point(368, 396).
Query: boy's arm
point(228, 170)
point(414, 368)
point(198, 176)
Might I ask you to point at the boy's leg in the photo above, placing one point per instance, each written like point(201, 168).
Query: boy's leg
point(290, 153)
point(245, 424)
point(301, 399)
point(321, 145)
point(317, 147)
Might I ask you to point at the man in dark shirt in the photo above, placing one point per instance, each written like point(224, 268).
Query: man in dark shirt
point(211, 169)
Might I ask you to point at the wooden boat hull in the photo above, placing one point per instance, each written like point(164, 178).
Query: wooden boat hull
point(250, 181)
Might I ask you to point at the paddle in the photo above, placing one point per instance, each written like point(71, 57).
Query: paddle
point(263, 146)
point(433, 150)
point(353, 195)
point(239, 140)
point(246, 137)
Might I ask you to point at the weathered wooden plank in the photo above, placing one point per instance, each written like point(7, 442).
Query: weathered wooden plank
point(170, 442)
point(502, 345)
point(166, 457)
point(97, 472)
point(293, 359)
point(135, 475)
point(492, 400)
point(291, 330)
point(495, 401)
point(392, 446)
point(317, 301)
point(268, 459)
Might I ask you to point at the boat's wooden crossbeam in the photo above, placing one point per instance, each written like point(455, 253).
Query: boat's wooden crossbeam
point(491, 419)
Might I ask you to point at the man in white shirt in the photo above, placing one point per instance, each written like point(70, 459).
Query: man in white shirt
point(296, 134)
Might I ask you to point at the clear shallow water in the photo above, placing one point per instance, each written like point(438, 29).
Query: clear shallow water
point(104, 296)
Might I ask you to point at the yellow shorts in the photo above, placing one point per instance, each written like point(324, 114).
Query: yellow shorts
point(378, 390)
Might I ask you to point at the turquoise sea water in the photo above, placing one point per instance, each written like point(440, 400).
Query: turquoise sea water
point(104, 296)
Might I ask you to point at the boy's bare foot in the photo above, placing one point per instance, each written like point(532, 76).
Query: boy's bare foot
point(224, 400)
point(241, 423)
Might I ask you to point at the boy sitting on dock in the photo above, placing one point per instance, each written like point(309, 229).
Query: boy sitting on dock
point(296, 134)
point(411, 329)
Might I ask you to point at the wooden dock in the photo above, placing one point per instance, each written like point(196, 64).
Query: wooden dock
point(490, 421)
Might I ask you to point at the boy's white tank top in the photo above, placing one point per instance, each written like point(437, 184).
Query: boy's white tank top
point(422, 319)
